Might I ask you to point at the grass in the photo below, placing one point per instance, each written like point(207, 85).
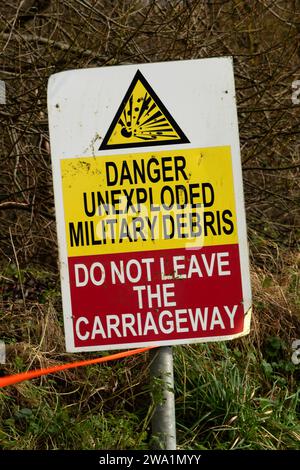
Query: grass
point(228, 402)
point(225, 399)
point(242, 394)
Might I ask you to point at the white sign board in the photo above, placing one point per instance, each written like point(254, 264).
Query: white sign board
point(149, 204)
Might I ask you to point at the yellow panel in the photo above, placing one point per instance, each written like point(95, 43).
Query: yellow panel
point(149, 201)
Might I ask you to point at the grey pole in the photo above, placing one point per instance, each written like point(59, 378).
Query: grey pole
point(162, 379)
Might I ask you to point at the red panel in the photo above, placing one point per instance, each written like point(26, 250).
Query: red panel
point(109, 301)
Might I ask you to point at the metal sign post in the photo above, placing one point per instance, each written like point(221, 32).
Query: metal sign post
point(162, 381)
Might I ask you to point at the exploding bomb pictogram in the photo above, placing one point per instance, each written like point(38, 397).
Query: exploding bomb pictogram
point(142, 120)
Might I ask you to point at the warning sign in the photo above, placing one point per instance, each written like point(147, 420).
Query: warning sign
point(153, 245)
point(147, 202)
point(142, 120)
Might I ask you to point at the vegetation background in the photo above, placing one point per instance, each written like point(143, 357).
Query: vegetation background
point(242, 394)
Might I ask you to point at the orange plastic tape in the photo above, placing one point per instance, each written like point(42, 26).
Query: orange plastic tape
point(31, 374)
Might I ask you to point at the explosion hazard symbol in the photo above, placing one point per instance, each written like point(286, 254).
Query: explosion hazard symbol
point(142, 120)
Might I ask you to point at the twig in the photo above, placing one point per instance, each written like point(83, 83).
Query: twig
point(18, 267)
point(15, 205)
point(58, 44)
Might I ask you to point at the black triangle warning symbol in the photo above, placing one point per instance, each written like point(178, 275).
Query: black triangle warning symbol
point(142, 120)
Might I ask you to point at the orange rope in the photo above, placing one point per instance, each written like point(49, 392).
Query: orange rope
point(31, 374)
